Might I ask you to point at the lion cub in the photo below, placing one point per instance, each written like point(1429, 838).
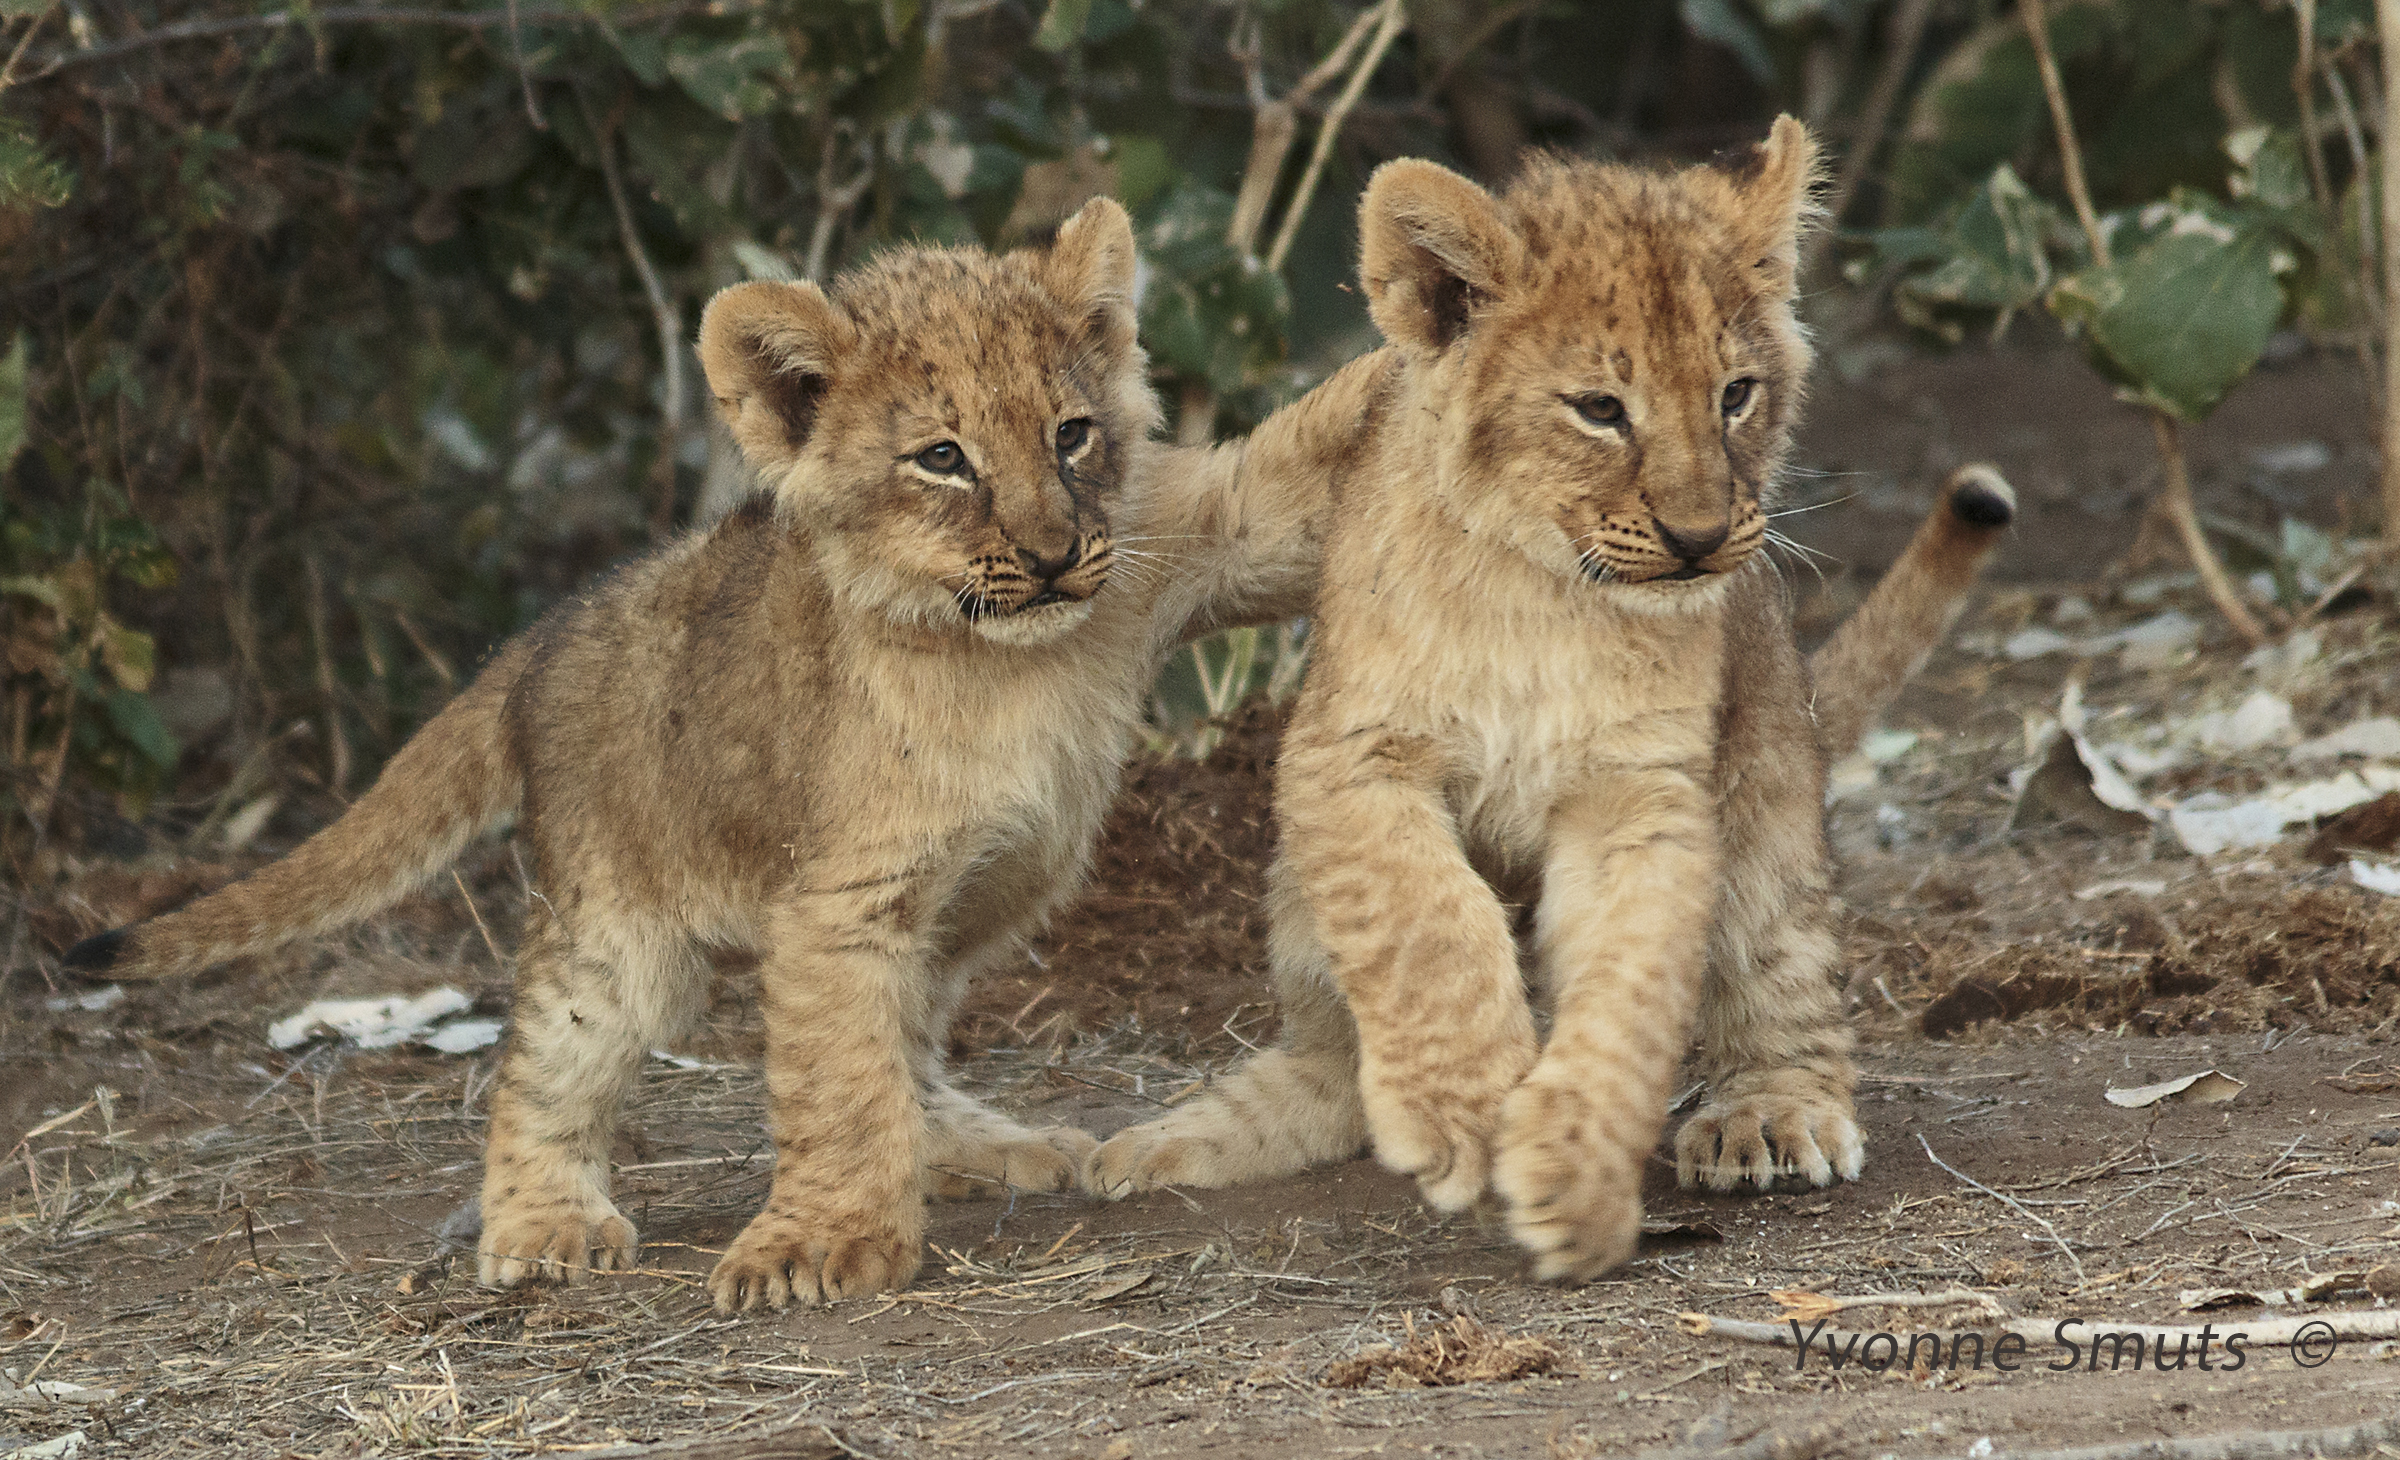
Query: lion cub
point(867, 727)
point(1550, 670)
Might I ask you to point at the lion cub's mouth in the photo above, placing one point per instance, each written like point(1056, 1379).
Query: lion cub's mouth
point(1037, 621)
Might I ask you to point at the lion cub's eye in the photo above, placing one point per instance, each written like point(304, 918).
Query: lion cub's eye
point(1601, 410)
point(943, 458)
point(1737, 395)
point(1072, 434)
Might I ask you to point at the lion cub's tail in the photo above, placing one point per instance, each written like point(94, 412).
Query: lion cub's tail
point(1861, 668)
point(452, 780)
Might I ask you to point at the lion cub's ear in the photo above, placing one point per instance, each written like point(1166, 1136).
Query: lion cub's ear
point(1770, 185)
point(770, 351)
point(1091, 268)
point(1432, 247)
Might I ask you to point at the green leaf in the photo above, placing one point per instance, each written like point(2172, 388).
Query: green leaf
point(2272, 172)
point(1062, 24)
point(736, 78)
point(138, 722)
point(28, 175)
point(130, 654)
point(1142, 168)
point(12, 402)
point(1717, 20)
point(2179, 321)
point(1992, 254)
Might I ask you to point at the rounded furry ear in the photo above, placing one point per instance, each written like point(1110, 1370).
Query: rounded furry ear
point(1091, 266)
point(770, 350)
point(1771, 184)
point(1431, 247)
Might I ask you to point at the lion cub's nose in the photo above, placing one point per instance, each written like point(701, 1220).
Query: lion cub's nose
point(1048, 569)
point(1691, 543)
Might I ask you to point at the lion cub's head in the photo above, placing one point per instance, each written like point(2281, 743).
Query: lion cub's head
point(951, 427)
point(1612, 352)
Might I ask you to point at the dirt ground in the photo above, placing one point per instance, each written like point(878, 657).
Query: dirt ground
point(210, 1247)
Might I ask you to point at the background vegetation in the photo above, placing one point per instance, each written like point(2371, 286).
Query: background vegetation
point(340, 339)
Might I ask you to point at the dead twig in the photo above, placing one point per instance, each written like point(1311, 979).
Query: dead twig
point(1394, 20)
point(1907, 33)
point(2177, 492)
point(2011, 1203)
point(664, 313)
point(1808, 1307)
point(2341, 1440)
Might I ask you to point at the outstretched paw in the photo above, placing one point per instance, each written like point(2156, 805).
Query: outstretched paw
point(1280, 1114)
point(1045, 1160)
point(1761, 1137)
point(780, 1260)
point(564, 1240)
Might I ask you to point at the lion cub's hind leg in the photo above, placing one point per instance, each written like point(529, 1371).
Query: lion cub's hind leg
point(1772, 1036)
point(972, 1150)
point(583, 1019)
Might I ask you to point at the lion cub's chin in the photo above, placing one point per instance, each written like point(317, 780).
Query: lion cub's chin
point(1667, 599)
point(1030, 626)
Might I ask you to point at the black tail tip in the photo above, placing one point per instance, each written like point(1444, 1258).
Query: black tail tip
point(1981, 497)
point(99, 953)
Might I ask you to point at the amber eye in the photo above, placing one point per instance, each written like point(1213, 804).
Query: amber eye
point(1072, 435)
point(1600, 410)
point(1737, 395)
point(943, 458)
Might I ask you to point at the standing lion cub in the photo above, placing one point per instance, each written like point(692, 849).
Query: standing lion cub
point(867, 726)
point(1551, 670)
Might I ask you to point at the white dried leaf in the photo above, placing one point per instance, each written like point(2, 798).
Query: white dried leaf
point(2208, 1087)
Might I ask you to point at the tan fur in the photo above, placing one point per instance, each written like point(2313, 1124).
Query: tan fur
point(866, 726)
point(1550, 673)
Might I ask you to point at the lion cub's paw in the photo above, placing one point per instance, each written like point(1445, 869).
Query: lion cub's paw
point(560, 1241)
point(1046, 1160)
point(1758, 1139)
point(1175, 1151)
point(1573, 1189)
point(1444, 1139)
point(780, 1260)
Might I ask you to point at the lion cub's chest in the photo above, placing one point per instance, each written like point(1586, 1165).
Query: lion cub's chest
point(1561, 711)
point(1000, 780)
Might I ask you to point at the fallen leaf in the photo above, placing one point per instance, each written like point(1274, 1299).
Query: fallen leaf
point(1116, 1288)
point(2208, 1087)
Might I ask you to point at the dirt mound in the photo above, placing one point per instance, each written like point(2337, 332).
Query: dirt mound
point(2242, 959)
point(1172, 929)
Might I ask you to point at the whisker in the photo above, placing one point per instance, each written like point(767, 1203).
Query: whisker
point(1816, 507)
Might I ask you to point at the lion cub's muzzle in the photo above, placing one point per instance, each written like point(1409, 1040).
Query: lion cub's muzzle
point(1024, 580)
point(1660, 552)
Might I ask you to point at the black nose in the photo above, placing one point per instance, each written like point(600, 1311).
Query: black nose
point(1692, 546)
point(1048, 569)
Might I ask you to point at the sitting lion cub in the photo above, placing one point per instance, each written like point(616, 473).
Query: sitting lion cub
point(1551, 670)
point(866, 726)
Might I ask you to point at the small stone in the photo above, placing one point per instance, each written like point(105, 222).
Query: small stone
point(2384, 1136)
point(2384, 1281)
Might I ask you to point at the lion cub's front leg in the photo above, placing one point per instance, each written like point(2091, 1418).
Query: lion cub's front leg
point(841, 984)
point(1421, 948)
point(1626, 893)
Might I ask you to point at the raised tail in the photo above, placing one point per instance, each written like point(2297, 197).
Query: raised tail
point(1862, 667)
point(450, 782)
